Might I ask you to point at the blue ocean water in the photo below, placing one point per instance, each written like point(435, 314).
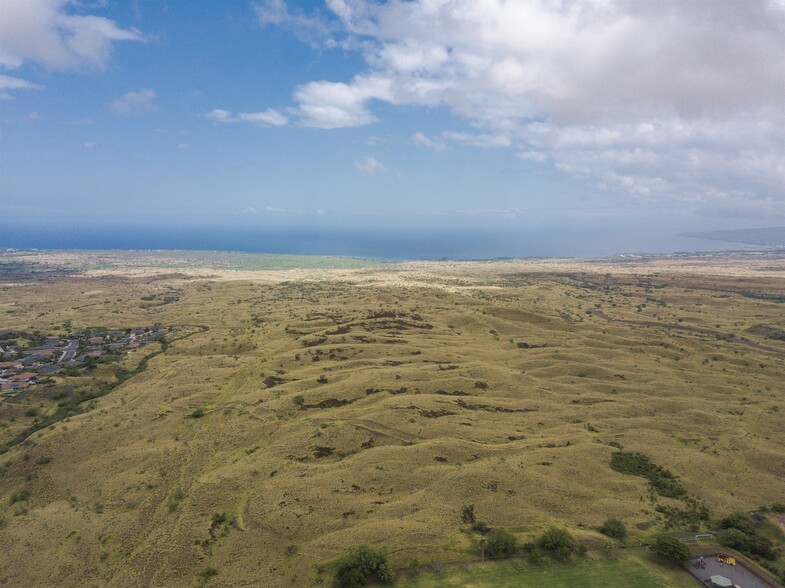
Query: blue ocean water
point(376, 243)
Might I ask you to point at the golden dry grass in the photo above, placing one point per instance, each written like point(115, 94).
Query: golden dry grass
point(429, 403)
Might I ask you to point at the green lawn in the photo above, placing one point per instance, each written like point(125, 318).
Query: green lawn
point(629, 570)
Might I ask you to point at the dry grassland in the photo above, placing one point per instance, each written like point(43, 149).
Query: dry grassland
point(367, 405)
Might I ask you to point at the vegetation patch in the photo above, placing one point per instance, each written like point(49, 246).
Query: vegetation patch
point(361, 567)
point(636, 464)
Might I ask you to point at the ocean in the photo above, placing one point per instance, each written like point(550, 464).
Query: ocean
point(373, 243)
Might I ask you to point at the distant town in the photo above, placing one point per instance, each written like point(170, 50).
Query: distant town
point(27, 358)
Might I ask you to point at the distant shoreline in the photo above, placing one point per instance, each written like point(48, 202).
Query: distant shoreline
point(372, 243)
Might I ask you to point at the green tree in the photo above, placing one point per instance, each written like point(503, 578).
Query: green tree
point(734, 539)
point(554, 539)
point(614, 528)
point(500, 544)
point(763, 547)
point(672, 549)
point(739, 520)
point(362, 566)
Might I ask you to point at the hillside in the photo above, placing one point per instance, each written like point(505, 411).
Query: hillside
point(291, 417)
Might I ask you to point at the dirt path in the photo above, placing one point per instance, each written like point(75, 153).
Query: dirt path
point(383, 430)
point(689, 329)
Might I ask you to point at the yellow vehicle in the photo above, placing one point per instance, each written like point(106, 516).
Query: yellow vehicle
point(731, 561)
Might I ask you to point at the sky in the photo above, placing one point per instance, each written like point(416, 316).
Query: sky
point(666, 115)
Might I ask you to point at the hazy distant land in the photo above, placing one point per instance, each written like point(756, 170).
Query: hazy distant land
point(768, 237)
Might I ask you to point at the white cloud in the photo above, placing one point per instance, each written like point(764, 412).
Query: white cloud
point(425, 141)
point(135, 103)
point(309, 27)
point(654, 100)
point(90, 145)
point(44, 32)
point(12, 83)
point(220, 115)
point(332, 105)
point(370, 165)
point(269, 117)
point(183, 146)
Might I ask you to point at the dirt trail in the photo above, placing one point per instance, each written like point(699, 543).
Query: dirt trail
point(384, 430)
point(689, 329)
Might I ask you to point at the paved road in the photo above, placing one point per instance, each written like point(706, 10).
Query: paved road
point(69, 352)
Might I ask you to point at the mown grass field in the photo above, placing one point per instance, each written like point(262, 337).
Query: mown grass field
point(629, 570)
point(315, 414)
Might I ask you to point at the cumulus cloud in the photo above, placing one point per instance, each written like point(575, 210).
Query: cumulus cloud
point(46, 33)
point(269, 117)
point(655, 100)
point(135, 102)
point(332, 105)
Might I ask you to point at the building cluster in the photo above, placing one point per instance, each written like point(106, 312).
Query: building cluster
point(22, 366)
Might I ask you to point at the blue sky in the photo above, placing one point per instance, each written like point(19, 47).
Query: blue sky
point(449, 113)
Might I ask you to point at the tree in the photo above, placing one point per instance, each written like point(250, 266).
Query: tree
point(614, 528)
point(672, 549)
point(739, 520)
point(361, 566)
point(762, 547)
point(500, 543)
point(467, 514)
point(734, 539)
point(554, 539)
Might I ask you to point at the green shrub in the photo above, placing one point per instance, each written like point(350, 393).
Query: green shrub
point(554, 539)
point(206, 574)
point(20, 496)
point(361, 566)
point(500, 543)
point(535, 556)
point(481, 527)
point(739, 520)
point(33, 411)
point(672, 549)
point(734, 538)
point(614, 528)
point(467, 514)
point(762, 547)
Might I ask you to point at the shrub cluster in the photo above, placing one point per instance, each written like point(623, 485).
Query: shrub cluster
point(739, 531)
point(500, 544)
point(637, 464)
point(614, 528)
point(672, 549)
point(362, 566)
